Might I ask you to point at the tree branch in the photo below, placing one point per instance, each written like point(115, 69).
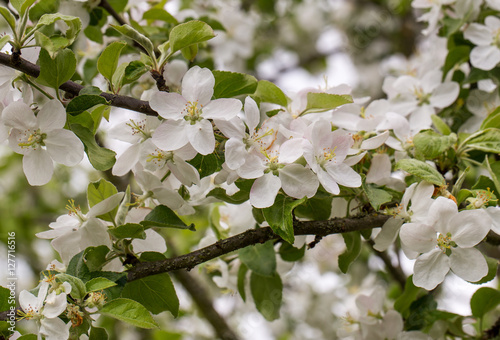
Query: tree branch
point(254, 236)
point(73, 88)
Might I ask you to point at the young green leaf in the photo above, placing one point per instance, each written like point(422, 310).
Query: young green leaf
point(319, 102)
point(129, 311)
point(420, 169)
point(99, 283)
point(431, 144)
point(189, 33)
point(486, 140)
point(484, 300)
point(9, 17)
point(54, 72)
point(99, 191)
point(353, 248)
point(108, 61)
point(242, 274)
point(101, 158)
point(267, 92)
point(279, 216)
point(260, 258)
point(156, 293)
point(84, 102)
point(139, 38)
point(78, 290)
point(162, 216)
point(267, 293)
point(232, 84)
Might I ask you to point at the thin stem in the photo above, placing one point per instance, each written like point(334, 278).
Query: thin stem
point(27, 80)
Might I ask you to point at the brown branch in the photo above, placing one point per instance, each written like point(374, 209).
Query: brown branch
point(105, 4)
point(251, 237)
point(74, 89)
point(395, 271)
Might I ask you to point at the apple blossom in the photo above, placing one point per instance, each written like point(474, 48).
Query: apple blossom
point(446, 241)
point(187, 114)
point(42, 139)
point(486, 54)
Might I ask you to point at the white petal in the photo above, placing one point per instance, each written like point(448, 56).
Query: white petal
point(375, 142)
point(469, 227)
point(105, 205)
point(328, 182)
point(252, 114)
point(201, 137)
point(67, 245)
point(54, 329)
point(253, 167)
point(198, 85)
point(19, 115)
point(344, 175)
point(38, 167)
point(485, 57)
point(235, 152)
point(264, 191)
point(94, 233)
point(168, 197)
point(388, 234)
point(479, 34)
point(184, 172)
point(168, 105)
point(418, 237)
point(468, 263)
point(380, 168)
point(171, 135)
point(126, 161)
point(52, 116)
point(430, 269)
point(54, 305)
point(494, 213)
point(444, 95)
point(441, 212)
point(233, 128)
point(291, 150)
point(223, 109)
point(298, 181)
point(64, 147)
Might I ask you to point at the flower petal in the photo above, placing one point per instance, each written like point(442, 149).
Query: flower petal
point(38, 167)
point(264, 191)
point(418, 237)
point(64, 147)
point(298, 181)
point(468, 263)
point(171, 135)
point(223, 109)
point(485, 57)
point(430, 269)
point(469, 227)
point(198, 85)
point(201, 137)
point(52, 116)
point(388, 234)
point(168, 105)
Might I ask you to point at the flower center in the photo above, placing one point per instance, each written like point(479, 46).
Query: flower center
point(422, 97)
point(159, 157)
point(139, 127)
point(325, 157)
point(445, 243)
point(32, 139)
point(193, 112)
point(75, 210)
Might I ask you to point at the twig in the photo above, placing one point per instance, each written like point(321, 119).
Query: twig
point(395, 271)
point(73, 88)
point(251, 237)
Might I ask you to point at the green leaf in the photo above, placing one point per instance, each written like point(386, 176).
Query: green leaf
point(269, 93)
point(353, 243)
point(421, 313)
point(259, 258)
point(159, 14)
point(456, 56)
point(440, 125)
point(57, 42)
point(108, 61)
point(242, 274)
point(97, 333)
point(84, 102)
point(9, 17)
point(410, 294)
point(129, 230)
point(134, 70)
point(421, 169)
point(95, 257)
point(279, 216)
point(206, 165)
point(4, 299)
point(432, 144)
point(41, 8)
point(492, 120)
point(376, 196)
point(54, 72)
point(99, 283)
point(232, 84)
point(28, 337)
point(238, 198)
point(190, 52)
point(487, 140)
point(4, 40)
point(494, 170)
point(315, 208)
point(21, 5)
point(484, 300)
point(156, 293)
point(101, 158)
point(78, 290)
point(189, 33)
point(164, 217)
point(139, 38)
point(319, 102)
point(100, 190)
point(129, 311)
point(77, 267)
point(290, 253)
point(267, 294)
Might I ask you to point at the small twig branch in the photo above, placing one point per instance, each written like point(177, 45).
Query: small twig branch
point(395, 271)
point(251, 237)
point(105, 4)
point(74, 89)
